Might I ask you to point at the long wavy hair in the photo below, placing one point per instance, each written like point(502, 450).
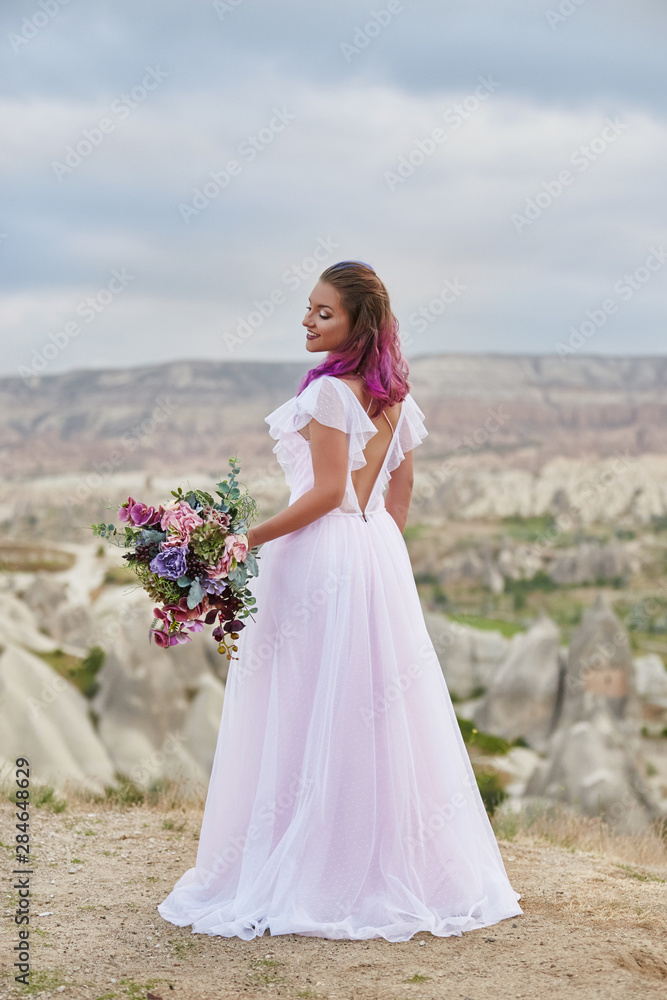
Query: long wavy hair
point(371, 348)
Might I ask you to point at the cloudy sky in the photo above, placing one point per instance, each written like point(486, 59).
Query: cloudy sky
point(175, 174)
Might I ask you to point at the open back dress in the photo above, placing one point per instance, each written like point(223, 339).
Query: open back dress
point(342, 802)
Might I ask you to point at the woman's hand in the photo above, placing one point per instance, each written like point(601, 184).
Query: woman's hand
point(251, 538)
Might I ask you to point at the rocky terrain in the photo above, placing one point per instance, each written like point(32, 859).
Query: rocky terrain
point(593, 926)
point(537, 534)
point(582, 439)
point(91, 701)
point(538, 539)
point(531, 408)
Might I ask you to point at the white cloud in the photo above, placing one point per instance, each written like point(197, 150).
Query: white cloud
point(324, 174)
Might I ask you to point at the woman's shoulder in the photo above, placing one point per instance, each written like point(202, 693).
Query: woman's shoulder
point(325, 398)
point(326, 378)
point(345, 386)
point(334, 388)
point(353, 382)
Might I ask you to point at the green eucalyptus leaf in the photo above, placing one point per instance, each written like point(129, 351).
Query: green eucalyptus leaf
point(195, 594)
point(147, 536)
point(236, 575)
point(251, 564)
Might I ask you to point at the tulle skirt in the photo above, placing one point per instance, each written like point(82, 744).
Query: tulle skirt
point(342, 802)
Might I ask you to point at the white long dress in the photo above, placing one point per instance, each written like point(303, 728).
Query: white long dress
point(342, 802)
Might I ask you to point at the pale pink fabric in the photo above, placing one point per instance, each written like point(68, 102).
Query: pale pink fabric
point(342, 802)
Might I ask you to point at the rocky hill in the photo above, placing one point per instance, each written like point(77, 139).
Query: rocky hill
point(528, 408)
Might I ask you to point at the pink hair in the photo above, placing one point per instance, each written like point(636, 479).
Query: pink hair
point(371, 347)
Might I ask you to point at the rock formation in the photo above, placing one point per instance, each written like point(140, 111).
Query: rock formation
point(46, 720)
point(600, 673)
point(521, 699)
point(469, 657)
point(651, 683)
point(591, 561)
point(593, 760)
point(146, 696)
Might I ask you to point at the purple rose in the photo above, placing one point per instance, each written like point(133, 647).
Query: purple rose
point(171, 562)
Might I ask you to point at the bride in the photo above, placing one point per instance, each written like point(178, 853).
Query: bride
point(342, 802)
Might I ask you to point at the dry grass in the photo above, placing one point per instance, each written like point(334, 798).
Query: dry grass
point(24, 558)
point(562, 827)
point(163, 796)
point(556, 824)
point(592, 926)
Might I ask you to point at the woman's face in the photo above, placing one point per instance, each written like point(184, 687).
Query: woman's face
point(326, 322)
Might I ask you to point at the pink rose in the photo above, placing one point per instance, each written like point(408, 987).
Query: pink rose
point(221, 568)
point(238, 546)
point(236, 549)
point(217, 516)
point(179, 520)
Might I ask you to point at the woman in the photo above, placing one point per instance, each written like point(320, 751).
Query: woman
point(342, 802)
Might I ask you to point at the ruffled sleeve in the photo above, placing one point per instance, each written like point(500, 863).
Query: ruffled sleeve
point(411, 432)
point(322, 401)
point(330, 402)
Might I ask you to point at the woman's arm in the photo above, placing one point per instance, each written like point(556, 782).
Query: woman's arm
point(399, 491)
point(328, 449)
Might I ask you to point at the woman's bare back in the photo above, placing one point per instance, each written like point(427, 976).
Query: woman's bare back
point(376, 450)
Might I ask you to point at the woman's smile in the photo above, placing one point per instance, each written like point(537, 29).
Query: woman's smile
point(325, 318)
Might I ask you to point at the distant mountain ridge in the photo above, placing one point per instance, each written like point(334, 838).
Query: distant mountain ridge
point(156, 416)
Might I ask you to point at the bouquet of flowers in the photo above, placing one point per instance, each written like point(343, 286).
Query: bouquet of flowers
point(191, 556)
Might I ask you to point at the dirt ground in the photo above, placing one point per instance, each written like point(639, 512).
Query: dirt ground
point(593, 927)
